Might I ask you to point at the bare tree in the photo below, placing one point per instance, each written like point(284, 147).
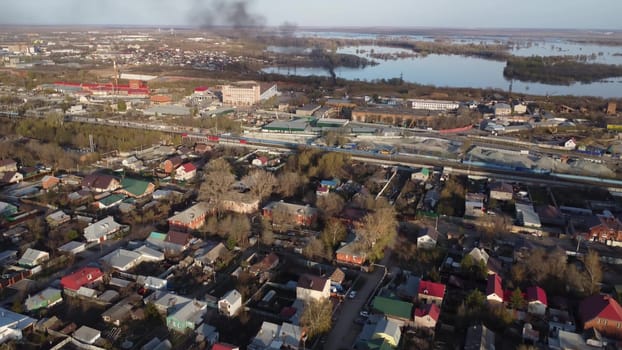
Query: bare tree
point(267, 237)
point(314, 248)
point(316, 317)
point(330, 204)
point(594, 271)
point(333, 233)
point(218, 181)
point(261, 183)
point(378, 231)
point(289, 183)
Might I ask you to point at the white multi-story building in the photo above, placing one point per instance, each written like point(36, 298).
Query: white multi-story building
point(246, 93)
point(435, 105)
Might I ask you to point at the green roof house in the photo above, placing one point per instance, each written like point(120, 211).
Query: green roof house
point(136, 188)
point(43, 300)
point(397, 309)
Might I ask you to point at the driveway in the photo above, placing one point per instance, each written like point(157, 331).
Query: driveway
point(345, 331)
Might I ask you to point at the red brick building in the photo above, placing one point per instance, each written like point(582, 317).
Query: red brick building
point(190, 219)
point(290, 214)
point(603, 313)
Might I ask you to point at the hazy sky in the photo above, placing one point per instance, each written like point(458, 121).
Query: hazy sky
point(581, 14)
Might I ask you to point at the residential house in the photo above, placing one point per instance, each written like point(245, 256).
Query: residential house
point(12, 177)
point(570, 144)
point(181, 313)
point(151, 283)
point(604, 228)
point(7, 209)
point(427, 316)
point(176, 242)
point(7, 165)
point(44, 299)
point(156, 344)
point(191, 218)
point(536, 301)
point(241, 203)
point(101, 230)
point(29, 172)
point(428, 237)
point(12, 325)
point(72, 247)
point(567, 340)
point(208, 334)
point(136, 188)
point(260, 161)
point(185, 172)
point(48, 182)
point(169, 165)
point(602, 313)
point(149, 254)
point(337, 277)
point(110, 201)
point(312, 287)
point(281, 213)
point(133, 164)
point(431, 292)
point(202, 148)
point(409, 290)
point(118, 313)
point(393, 308)
point(86, 276)
point(494, 289)
point(230, 304)
point(274, 336)
point(351, 253)
point(479, 256)
point(502, 109)
point(87, 335)
point(33, 258)
point(57, 218)
point(389, 330)
point(210, 254)
point(479, 338)
point(122, 260)
point(501, 191)
point(269, 262)
point(100, 183)
point(474, 205)
point(422, 175)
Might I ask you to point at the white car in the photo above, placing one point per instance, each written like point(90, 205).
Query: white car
point(364, 313)
point(352, 294)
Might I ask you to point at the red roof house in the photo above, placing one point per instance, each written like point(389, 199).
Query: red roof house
point(431, 292)
point(494, 289)
point(223, 346)
point(185, 172)
point(427, 315)
point(81, 278)
point(603, 313)
point(536, 301)
point(177, 241)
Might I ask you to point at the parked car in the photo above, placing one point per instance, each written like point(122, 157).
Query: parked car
point(352, 294)
point(364, 313)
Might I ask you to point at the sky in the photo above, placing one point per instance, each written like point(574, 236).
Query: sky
point(567, 14)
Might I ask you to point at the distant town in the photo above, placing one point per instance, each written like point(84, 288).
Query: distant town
point(163, 189)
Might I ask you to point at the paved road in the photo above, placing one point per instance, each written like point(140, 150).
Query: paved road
point(342, 335)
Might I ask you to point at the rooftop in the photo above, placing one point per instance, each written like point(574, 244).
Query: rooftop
point(393, 307)
point(312, 282)
point(189, 215)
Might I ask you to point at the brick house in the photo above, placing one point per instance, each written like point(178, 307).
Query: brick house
point(604, 228)
point(290, 214)
point(49, 182)
point(171, 164)
point(351, 253)
point(191, 218)
point(603, 313)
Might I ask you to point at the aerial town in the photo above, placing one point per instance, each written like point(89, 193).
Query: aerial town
point(177, 188)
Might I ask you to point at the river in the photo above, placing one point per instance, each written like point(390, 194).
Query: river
point(470, 72)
